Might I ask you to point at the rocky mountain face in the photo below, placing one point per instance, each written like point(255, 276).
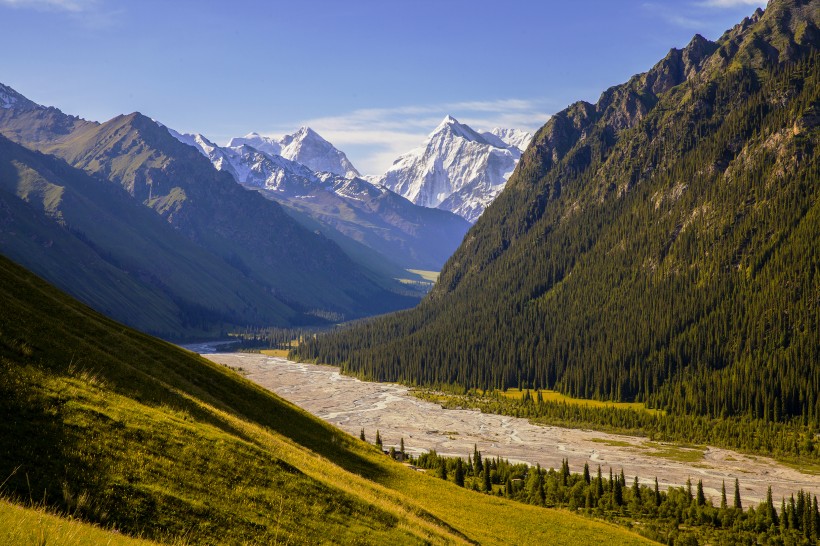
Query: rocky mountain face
point(410, 236)
point(457, 168)
point(301, 273)
point(305, 146)
point(655, 246)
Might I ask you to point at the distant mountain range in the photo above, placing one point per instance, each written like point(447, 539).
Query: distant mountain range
point(410, 236)
point(133, 222)
point(456, 169)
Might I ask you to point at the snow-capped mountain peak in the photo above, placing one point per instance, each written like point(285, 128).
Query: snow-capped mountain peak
point(451, 125)
point(457, 168)
point(305, 146)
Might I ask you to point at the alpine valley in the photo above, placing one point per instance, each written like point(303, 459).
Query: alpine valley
point(645, 268)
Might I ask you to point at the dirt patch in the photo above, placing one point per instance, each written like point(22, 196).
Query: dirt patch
point(353, 405)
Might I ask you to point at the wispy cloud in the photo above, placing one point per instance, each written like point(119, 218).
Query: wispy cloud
point(731, 3)
point(374, 137)
point(74, 6)
point(675, 15)
point(92, 14)
point(695, 15)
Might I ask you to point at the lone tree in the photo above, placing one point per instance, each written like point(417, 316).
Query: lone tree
point(361, 436)
point(738, 505)
point(378, 439)
point(723, 495)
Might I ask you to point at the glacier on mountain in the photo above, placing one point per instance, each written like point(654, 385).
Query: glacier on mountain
point(457, 168)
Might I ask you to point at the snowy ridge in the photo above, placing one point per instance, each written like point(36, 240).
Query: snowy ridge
point(304, 146)
point(9, 98)
point(457, 169)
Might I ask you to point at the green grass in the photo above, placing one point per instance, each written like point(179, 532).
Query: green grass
point(613, 443)
point(21, 526)
point(684, 454)
point(125, 431)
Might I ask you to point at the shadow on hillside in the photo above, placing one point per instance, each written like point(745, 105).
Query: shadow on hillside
point(40, 455)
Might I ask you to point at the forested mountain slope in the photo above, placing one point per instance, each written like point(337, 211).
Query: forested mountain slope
point(660, 245)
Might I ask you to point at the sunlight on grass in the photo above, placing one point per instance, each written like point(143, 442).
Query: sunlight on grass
point(26, 526)
point(555, 396)
point(613, 443)
point(688, 454)
point(431, 276)
point(281, 353)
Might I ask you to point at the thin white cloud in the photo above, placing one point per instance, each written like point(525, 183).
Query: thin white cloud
point(731, 3)
point(374, 137)
point(695, 15)
point(74, 6)
point(91, 14)
point(674, 16)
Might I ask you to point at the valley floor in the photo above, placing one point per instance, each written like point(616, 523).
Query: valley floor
point(391, 409)
point(352, 405)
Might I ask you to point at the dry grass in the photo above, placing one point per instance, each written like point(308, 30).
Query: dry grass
point(431, 276)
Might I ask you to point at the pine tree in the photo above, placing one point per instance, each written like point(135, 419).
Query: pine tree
point(723, 503)
point(618, 493)
point(488, 484)
point(401, 448)
point(738, 505)
point(586, 473)
point(442, 469)
point(459, 477)
point(701, 498)
point(361, 436)
point(770, 507)
point(378, 439)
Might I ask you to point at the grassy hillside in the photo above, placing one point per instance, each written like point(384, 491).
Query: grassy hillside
point(118, 428)
point(20, 526)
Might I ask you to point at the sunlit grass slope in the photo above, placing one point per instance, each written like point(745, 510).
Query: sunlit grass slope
point(121, 429)
point(21, 526)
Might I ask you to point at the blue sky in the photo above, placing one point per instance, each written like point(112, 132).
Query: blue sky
point(372, 76)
